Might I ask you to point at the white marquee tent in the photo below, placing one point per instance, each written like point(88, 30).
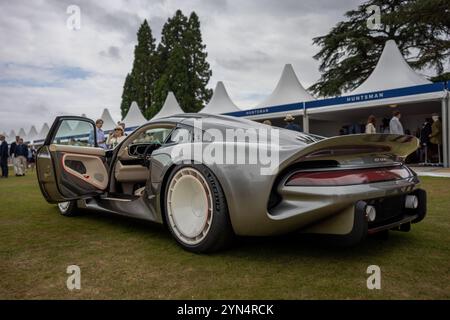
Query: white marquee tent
point(391, 71)
point(220, 101)
point(43, 132)
point(22, 134)
point(32, 134)
point(108, 122)
point(64, 129)
point(288, 90)
point(170, 107)
point(11, 136)
point(134, 117)
point(288, 96)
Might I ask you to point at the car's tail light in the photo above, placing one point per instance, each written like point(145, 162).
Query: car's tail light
point(347, 177)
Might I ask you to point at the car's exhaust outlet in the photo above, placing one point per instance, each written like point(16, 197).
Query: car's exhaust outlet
point(411, 202)
point(371, 213)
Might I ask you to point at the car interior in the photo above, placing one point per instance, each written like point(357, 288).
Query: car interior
point(131, 168)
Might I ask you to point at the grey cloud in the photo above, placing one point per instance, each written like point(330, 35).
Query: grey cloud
point(248, 42)
point(111, 52)
point(247, 62)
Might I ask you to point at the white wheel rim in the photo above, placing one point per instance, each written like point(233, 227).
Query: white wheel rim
point(189, 205)
point(63, 206)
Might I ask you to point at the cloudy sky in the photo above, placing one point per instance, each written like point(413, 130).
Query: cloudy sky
point(46, 69)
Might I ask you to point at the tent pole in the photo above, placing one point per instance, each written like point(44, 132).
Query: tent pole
point(305, 119)
point(444, 113)
point(446, 130)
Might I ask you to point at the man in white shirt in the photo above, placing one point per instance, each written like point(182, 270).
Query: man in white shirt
point(395, 126)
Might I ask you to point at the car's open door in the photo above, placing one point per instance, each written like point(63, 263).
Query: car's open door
point(70, 165)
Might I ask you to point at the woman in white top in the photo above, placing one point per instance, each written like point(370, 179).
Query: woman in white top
point(115, 137)
point(370, 126)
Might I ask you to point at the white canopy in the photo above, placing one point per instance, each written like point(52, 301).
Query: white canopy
point(170, 107)
point(11, 136)
point(82, 127)
point(44, 131)
point(64, 129)
point(220, 101)
point(392, 71)
point(108, 122)
point(32, 134)
point(134, 117)
point(288, 90)
point(22, 133)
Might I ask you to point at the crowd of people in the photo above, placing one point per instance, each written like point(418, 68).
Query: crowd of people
point(19, 154)
point(429, 134)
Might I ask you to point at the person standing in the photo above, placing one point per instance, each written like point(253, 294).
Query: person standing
point(436, 136)
point(424, 135)
point(122, 124)
point(101, 139)
point(12, 154)
point(3, 156)
point(31, 157)
point(370, 126)
point(116, 137)
point(395, 126)
point(21, 154)
point(290, 125)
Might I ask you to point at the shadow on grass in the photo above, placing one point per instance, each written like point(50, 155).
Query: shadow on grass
point(265, 248)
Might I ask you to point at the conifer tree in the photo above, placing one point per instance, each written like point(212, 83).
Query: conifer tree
point(144, 73)
point(183, 66)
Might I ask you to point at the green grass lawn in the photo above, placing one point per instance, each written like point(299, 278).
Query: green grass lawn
point(127, 259)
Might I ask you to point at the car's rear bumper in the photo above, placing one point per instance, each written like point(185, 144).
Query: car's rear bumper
point(399, 217)
point(391, 215)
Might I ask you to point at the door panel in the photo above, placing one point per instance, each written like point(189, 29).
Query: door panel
point(69, 164)
point(90, 169)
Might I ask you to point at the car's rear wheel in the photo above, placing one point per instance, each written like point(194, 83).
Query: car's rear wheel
point(68, 208)
point(195, 209)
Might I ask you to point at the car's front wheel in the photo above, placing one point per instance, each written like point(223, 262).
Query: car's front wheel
point(68, 208)
point(196, 210)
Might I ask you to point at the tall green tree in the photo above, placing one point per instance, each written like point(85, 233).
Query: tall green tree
point(199, 68)
point(350, 51)
point(139, 84)
point(128, 95)
point(183, 66)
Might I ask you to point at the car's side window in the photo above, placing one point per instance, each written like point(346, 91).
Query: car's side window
point(181, 134)
point(75, 133)
point(152, 135)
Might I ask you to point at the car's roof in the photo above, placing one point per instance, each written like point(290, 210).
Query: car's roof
point(223, 122)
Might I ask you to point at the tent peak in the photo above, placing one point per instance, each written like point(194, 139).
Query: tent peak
point(170, 107)
point(288, 90)
point(220, 101)
point(134, 117)
point(391, 71)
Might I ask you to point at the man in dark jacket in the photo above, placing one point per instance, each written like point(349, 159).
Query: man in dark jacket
point(3, 156)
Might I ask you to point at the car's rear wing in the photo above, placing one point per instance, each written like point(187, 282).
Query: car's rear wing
point(358, 149)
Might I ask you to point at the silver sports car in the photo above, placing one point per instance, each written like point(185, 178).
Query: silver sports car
point(209, 178)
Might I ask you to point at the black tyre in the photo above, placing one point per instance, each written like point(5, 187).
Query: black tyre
point(196, 211)
point(68, 208)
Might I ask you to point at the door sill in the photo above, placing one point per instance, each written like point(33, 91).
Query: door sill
point(120, 197)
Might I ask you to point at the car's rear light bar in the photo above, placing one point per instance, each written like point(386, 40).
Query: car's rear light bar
point(347, 176)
